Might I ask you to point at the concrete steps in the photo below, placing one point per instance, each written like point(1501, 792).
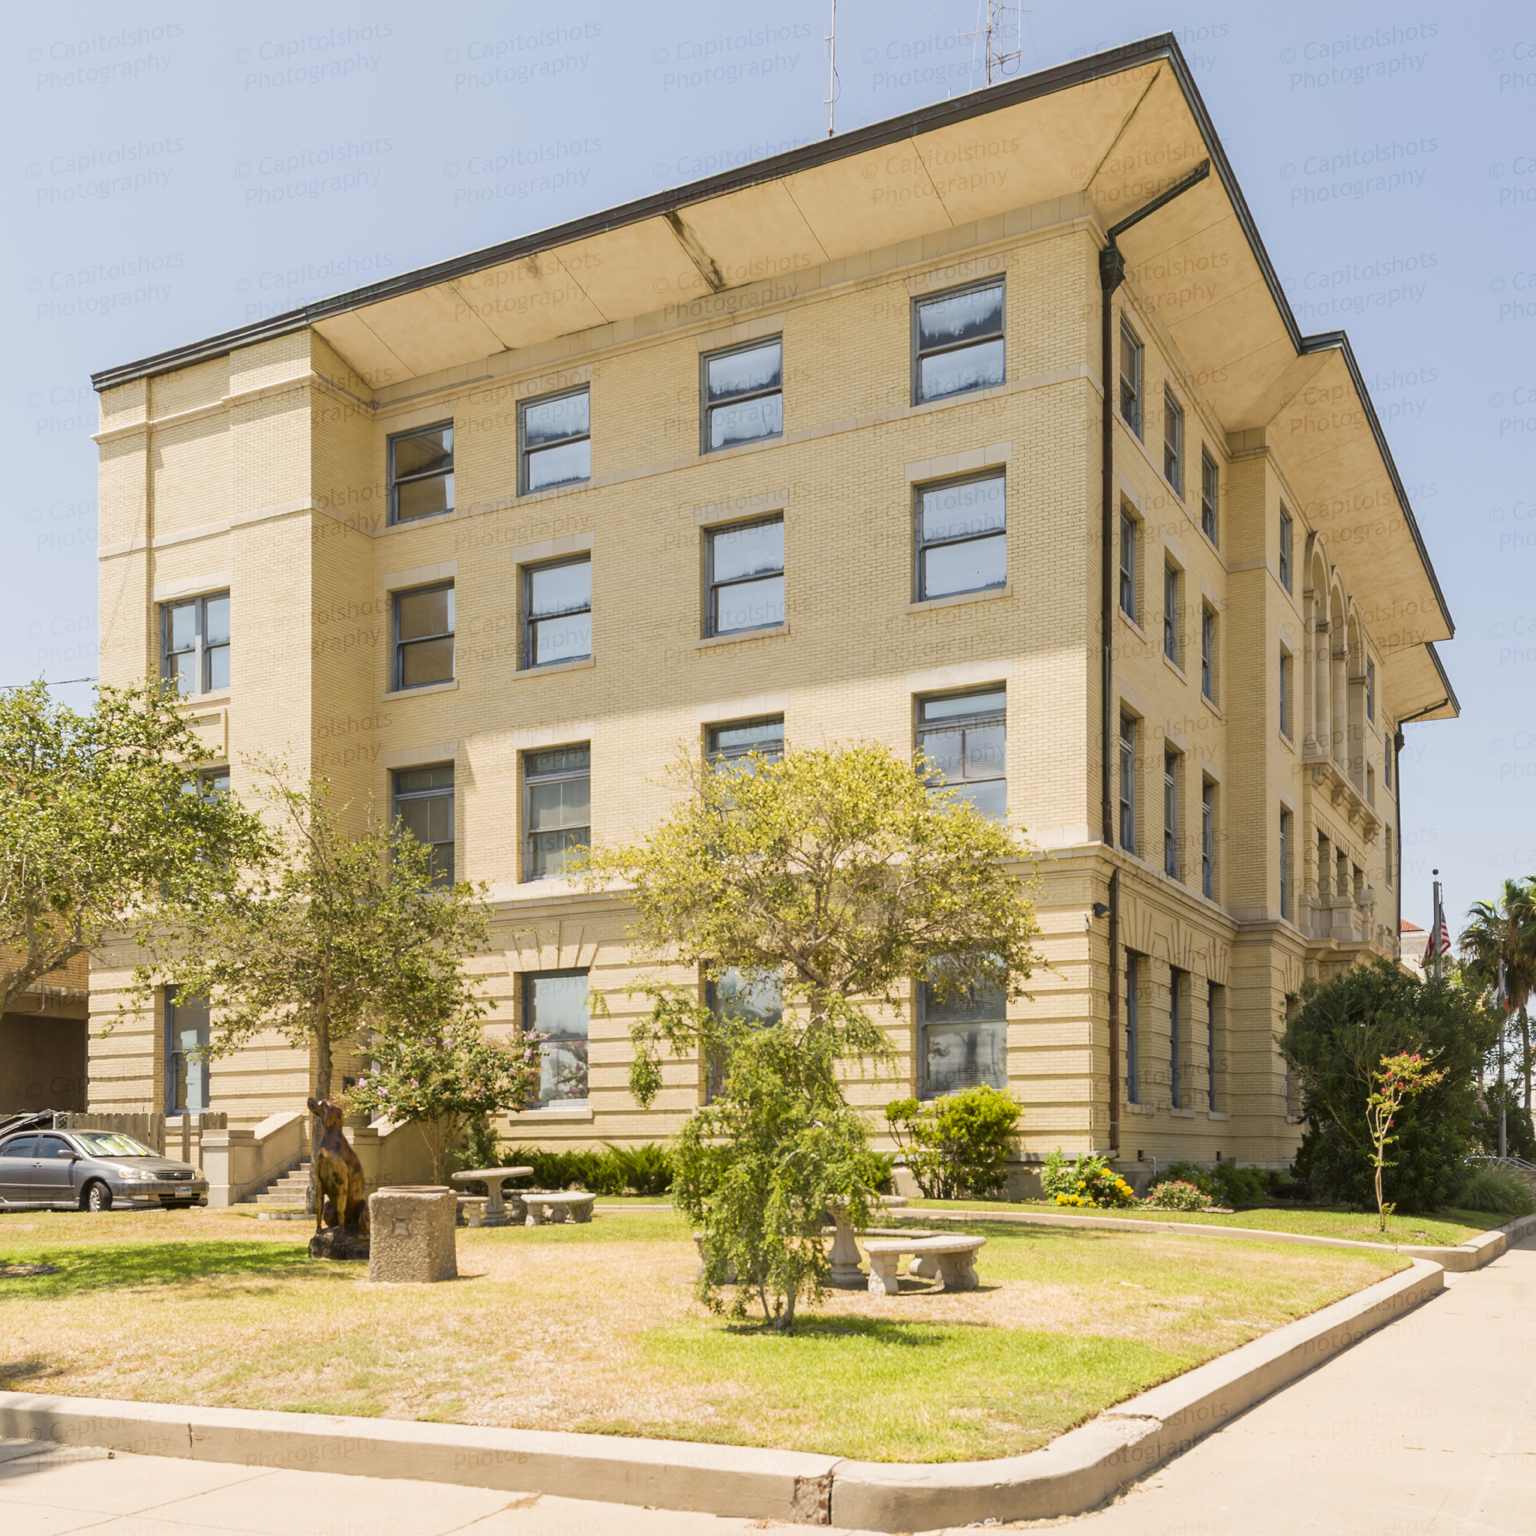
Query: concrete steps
point(287, 1189)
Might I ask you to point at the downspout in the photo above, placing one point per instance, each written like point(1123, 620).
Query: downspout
point(1111, 275)
point(1398, 743)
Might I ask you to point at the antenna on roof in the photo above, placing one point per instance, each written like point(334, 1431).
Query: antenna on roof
point(999, 55)
point(831, 42)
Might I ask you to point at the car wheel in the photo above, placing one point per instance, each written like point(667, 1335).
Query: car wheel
point(98, 1196)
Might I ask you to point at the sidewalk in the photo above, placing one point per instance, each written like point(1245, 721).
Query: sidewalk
point(1426, 1426)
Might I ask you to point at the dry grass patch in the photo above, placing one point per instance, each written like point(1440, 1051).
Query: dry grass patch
point(595, 1328)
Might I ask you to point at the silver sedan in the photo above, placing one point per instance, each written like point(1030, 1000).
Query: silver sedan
point(93, 1171)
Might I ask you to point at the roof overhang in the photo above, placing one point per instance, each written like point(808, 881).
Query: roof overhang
point(1119, 126)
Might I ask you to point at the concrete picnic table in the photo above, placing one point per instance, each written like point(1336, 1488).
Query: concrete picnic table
point(845, 1256)
point(495, 1205)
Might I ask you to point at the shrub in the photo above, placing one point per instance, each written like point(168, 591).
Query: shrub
point(644, 1170)
point(1085, 1181)
point(1335, 1041)
point(958, 1145)
point(1178, 1195)
point(1487, 1187)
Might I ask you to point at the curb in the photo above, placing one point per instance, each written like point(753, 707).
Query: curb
point(1072, 1474)
point(1472, 1254)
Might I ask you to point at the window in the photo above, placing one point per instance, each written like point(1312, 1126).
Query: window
point(1285, 863)
point(725, 745)
point(1176, 995)
point(1285, 693)
point(1127, 564)
point(557, 612)
point(1132, 1028)
point(1173, 442)
point(957, 342)
point(1387, 848)
point(743, 394)
point(194, 643)
point(1370, 690)
point(1386, 760)
point(1128, 783)
point(1130, 378)
point(424, 804)
point(186, 1067)
point(424, 637)
point(1370, 785)
point(964, 1039)
point(744, 576)
point(1171, 613)
point(1212, 1003)
point(962, 543)
point(558, 792)
point(1208, 654)
point(1285, 549)
point(555, 1004)
point(965, 737)
point(1171, 814)
point(754, 998)
point(1210, 489)
point(555, 445)
point(1208, 839)
point(421, 473)
point(213, 783)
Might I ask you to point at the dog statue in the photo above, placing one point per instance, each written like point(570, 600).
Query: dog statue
point(338, 1174)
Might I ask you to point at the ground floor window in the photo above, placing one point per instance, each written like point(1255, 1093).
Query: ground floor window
point(186, 1068)
point(754, 998)
point(1132, 1030)
point(963, 1039)
point(555, 1004)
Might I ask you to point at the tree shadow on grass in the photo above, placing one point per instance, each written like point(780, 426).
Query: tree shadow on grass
point(907, 1333)
point(178, 1265)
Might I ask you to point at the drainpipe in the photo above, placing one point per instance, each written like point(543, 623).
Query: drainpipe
point(1111, 275)
point(1398, 742)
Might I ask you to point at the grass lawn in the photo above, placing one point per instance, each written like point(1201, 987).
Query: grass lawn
point(595, 1328)
point(1444, 1228)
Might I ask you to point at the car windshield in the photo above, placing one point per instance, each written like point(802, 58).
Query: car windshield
point(112, 1144)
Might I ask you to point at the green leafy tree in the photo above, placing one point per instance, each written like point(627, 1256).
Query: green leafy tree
point(103, 835)
point(958, 1145)
point(838, 873)
point(444, 1078)
point(1336, 1041)
point(334, 939)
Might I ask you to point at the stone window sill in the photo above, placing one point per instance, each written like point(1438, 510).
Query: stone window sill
point(555, 666)
point(772, 633)
point(960, 597)
point(1175, 668)
point(581, 1111)
point(1182, 1114)
point(1126, 619)
point(203, 700)
point(1217, 1114)
point(416, 693)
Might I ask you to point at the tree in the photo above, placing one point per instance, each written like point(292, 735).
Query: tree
point(838, 875)
point(332, 937)
point(1336, 1041)
point(1506, 930)
point(99, 835)
point(440, 1077)
point(1397, 1080)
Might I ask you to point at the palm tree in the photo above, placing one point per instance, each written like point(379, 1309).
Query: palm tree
point(1506, 930)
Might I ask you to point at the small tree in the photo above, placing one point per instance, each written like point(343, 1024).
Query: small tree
point(335, 936)
point(1398, 1079)
point(99, 835)
point(441, 1077)
point(959, 1144)
point(838, 874)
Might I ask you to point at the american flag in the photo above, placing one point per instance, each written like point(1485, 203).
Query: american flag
point(1439, 932)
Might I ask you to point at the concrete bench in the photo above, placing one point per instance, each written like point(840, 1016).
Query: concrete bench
point(546, 1206)
point(952, 1259)
point(471, 1210)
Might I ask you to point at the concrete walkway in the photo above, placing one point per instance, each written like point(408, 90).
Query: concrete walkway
point(1427, 1426)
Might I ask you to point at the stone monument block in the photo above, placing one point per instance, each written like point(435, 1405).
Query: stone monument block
point(412, 1236)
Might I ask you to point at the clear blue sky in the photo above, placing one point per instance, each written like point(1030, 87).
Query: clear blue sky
point(176, 170)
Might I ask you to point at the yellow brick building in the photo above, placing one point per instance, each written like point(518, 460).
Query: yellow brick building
point(820, 450)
